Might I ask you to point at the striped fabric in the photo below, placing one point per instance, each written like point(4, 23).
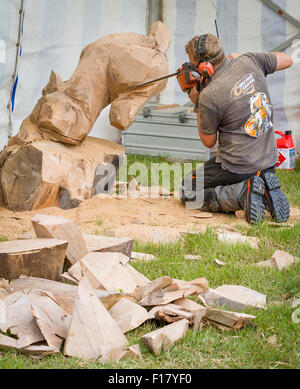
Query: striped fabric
point(55, 32)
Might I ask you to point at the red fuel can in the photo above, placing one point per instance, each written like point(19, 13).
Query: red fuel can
point(286, 151)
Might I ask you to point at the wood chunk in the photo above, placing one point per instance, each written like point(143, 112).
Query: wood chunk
point(52, 320)
point(110, 271)
point(101, 244)
point(33, 257)
point(188, 304)
point(39, 350)
point(64, 294)
point(220, 263)
point(67, 278)
point(282, 259)
point(92, 332)
point(2, 311)
point(142, 257)
point(235, 297)
point(233, 320)
point(7, 342)
point(164, 338)
point(48, 226)
point(171, 315)
point(19, 319)
point(269, 263)
point(176, 290)
point(190, 257)
point(133, 351)
point(234, 238)
point(75, 271)
point(161, 282)
point(152, 312)
point(128, 315)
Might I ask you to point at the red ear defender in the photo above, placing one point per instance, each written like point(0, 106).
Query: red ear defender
point(206, 69)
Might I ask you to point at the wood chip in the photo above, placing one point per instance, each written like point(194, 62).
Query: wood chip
point(164, 338)
point(221, 263)
point(48, 226)
point(272, 340)
point(142, 257)
point(128, 315)
point(234, 238)
point(203, 215)
point(92, 332)
point(161, 282)
point(190, 257)
point(282, 259)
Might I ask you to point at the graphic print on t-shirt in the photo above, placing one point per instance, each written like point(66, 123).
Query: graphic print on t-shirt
point(243, 86)
point(261, 111)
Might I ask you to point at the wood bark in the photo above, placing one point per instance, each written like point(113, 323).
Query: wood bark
point(33, 257)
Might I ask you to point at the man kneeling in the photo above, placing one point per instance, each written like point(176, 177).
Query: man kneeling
point(235, 108)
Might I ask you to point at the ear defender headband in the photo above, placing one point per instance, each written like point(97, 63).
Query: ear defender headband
point(201, 49)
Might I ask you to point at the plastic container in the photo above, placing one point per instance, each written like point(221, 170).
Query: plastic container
point(286, 151)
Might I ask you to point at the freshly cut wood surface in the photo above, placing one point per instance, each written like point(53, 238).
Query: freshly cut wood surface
point(45, 173)
point(235, 297)
point(282, 259)
point(33, 257)
point(19, 319)
point(99, 243)
point(7, 342)
point(230, 319)
point(52, 320)
point(128, 315)
point(161, 282)
point(65, 294)
point(188, 304)
point(165, 337)
point(110, 271)
point(48, 226)
point(92, 332)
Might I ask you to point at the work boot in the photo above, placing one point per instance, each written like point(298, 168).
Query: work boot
point(252, 200)
point(275, 200)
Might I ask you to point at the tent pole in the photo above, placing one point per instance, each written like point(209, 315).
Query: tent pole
point(15, 73)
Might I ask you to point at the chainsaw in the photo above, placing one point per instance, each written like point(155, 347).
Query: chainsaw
point(188, 76)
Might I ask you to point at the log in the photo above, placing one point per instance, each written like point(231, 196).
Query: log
point(106, 244)
point(65, 294)
point(68, 109)
point(47, 173)
point(128, 315)
point(48, 226)
point(165, 337)
point(33, 257)
point(92, 332)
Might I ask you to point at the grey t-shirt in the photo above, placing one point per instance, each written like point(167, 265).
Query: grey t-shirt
point(236, 104)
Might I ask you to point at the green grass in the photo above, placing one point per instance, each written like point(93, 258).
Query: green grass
point(211, 348)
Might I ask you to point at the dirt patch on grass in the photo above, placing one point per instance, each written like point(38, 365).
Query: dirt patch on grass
point(135, 218)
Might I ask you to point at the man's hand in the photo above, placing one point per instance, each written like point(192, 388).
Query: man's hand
point(233, 55)
point(193, 95)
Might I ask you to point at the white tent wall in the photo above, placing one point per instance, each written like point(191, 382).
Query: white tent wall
point(243, 26)
point(55, 32)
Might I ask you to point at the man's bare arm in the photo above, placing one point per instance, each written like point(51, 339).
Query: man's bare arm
point(208, 140)
point(284, 60)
